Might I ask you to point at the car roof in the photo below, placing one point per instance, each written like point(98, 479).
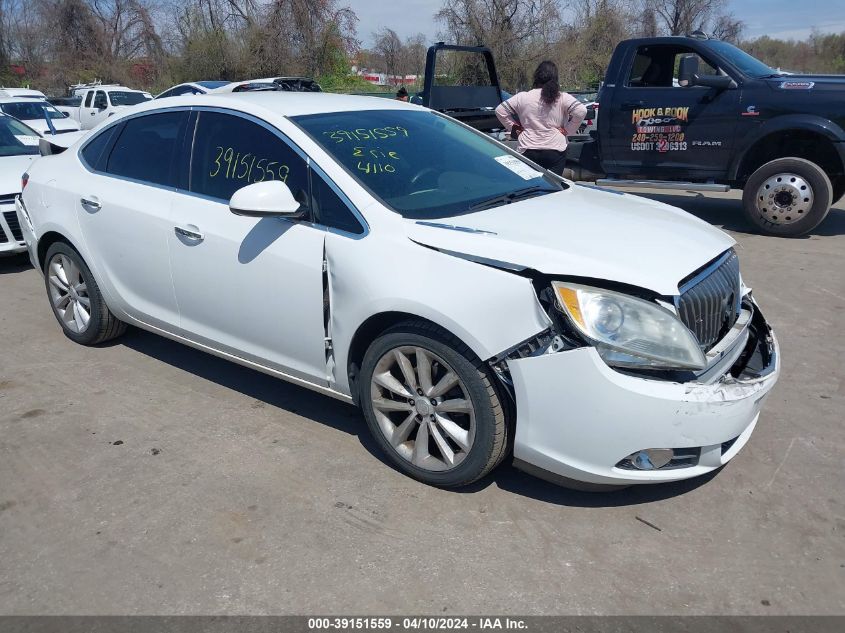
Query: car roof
point(27, 99)
point(25, 93)
point(281, 103)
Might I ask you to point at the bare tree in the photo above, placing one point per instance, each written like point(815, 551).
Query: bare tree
point(584, 51)
point(680, 17)
point(389, 50)
point(727, 28)
point(519, 32)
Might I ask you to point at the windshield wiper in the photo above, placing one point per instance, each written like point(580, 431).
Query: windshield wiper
point(508, 198)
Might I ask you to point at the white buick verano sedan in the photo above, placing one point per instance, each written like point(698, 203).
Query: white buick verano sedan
point(473, 305)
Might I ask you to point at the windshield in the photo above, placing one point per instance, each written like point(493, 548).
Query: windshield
point(16, 139)
point(29, 110)
point(423, 165)
point(127, 98)
point(744, 62)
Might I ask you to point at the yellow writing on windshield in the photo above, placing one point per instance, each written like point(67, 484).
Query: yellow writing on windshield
point(375, 160)
point(367, 134)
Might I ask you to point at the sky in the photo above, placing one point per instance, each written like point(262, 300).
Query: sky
point(776, 18)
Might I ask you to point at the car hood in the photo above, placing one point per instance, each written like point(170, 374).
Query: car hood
point(61, 125)
point(11, 170)
point(582, 232)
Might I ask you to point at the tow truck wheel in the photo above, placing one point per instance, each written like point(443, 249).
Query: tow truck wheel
point(838, 189)
point(787, 197)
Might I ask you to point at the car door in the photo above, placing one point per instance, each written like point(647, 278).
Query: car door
point(251, 287)
point(99, 110)
point(86, 110)
point(124, 206)
point(661, 130)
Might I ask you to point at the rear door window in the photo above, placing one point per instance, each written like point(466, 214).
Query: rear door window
point(93, 151)
point(231, 152)
point(147, 148)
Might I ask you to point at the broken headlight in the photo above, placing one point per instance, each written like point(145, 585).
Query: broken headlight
point(627, 331)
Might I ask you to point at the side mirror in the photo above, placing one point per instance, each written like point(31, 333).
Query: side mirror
point(264, 199)
point(591, 113)
point(687, 70)
point(688, 76)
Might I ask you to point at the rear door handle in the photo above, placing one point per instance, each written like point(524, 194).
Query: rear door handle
point(189, 233)
point(632, 105)
point(91, 203)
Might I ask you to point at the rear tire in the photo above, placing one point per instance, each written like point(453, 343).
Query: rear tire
point(75, 298)
point(787, 197)
point(464, 428)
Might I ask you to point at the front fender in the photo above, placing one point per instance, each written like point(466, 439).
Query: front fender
point(489, 309)
point(789, 122)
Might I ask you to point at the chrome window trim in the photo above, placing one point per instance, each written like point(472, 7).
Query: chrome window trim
point(249, 117)
point(113, 124)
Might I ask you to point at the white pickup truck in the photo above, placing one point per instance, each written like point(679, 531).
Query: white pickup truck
point(100, 102)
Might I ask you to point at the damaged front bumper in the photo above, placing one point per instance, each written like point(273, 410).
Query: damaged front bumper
point(580, 420)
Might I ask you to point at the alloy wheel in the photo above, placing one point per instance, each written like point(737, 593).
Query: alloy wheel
point(423, 408)
point(69, 293)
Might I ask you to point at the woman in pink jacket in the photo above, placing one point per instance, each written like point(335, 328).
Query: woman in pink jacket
point(542, 118)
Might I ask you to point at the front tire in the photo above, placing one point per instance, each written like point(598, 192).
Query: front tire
point(75, 297)
point(787, 197)
point(432, 406)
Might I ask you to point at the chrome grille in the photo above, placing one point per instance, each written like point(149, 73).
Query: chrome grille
point(710, 300)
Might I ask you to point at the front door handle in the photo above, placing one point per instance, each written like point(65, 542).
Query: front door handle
point(632, 105)
point(91, 203)
point(189, 233)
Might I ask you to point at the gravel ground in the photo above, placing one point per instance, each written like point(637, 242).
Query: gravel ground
point(146, 477)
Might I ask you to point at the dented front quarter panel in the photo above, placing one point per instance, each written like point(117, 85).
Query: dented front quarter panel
point(488, 309)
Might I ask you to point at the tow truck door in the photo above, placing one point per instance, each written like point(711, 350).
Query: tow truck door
point(660, 130)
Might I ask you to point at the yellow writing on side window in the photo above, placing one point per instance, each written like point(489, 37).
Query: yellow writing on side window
point(233, 165)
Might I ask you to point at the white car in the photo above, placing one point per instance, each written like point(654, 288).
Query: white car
point(473, 305)
point(192, 88)
point(34, 112)
point(18, 148)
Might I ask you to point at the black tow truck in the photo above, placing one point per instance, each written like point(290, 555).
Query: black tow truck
point(698, 114)
point(471, 99)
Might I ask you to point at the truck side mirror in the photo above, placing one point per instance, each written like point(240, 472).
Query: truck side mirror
point(591, 113)
point(688, 76)
point(688, 71)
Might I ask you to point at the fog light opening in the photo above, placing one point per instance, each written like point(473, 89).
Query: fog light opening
point(651, 458)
